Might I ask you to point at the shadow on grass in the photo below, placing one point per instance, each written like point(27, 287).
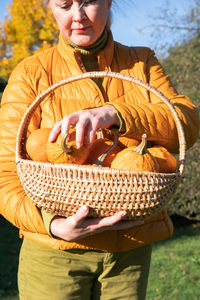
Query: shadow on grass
point(183, 228)
point(10, 244)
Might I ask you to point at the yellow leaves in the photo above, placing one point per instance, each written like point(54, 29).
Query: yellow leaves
point(43, 46)
point(20, 51)
point(6, 67)
point(29, 27)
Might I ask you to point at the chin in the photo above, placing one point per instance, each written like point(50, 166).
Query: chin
point(82, 42)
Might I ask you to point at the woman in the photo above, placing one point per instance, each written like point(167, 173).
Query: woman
point(80, 257)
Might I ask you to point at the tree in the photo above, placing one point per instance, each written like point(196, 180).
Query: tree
point(178, 40)
point(182, 63)
point(183, 67)
point(28, 28)
point(172, 27)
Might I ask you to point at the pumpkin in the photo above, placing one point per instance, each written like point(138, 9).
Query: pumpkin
point(98, 147)
point(36, 144)
point(136, 158)
point(61, 151)
point(167, 162)
point(125, 142)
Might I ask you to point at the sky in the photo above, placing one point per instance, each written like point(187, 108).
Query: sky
point(133, 19)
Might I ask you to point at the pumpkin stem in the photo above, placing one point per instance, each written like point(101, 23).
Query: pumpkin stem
point(102, 157)
point(142, 147)
point(66, 148)
point(100, 134)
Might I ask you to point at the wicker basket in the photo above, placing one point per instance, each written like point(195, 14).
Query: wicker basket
point(63, 188)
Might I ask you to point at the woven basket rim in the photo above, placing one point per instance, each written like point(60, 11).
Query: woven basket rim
point(93, 168)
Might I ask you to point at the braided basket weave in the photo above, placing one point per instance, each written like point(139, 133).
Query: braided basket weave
point(63, 188)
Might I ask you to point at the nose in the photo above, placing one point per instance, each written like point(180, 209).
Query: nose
point(78, 12)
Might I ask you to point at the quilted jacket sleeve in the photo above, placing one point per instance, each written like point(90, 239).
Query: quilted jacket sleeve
point(153, 116)
point(15, 206)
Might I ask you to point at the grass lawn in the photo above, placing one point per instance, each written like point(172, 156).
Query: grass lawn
point(175, 266)
point(9, 251)
point(174, 274)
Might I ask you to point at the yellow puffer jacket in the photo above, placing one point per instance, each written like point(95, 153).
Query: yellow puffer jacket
point(140, 110)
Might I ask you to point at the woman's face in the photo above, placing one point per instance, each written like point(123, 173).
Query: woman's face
point(81, 22)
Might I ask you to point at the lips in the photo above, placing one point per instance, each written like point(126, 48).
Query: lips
point(80, 29)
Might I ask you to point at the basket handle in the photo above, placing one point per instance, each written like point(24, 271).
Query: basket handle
point(21, 134)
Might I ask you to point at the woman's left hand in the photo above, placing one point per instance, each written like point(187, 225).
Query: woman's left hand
point(79, 226)
point(87, 122)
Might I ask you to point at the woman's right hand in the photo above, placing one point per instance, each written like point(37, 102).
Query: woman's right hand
point(87, 122)
point(80, 226)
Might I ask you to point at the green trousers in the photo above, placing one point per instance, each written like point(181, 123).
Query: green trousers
point(45, 273)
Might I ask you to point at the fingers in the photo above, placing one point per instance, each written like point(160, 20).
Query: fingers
point(55, 132)
point(80, 226)
point(78, 218)
point(85, 127)
point(67, 122)
point(116, 222)
point(112, 220)
point(91, 132)
point(87, 122)
point(62, 127)
point(81, 128)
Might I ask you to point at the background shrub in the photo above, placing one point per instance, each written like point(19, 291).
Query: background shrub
point(3, 83)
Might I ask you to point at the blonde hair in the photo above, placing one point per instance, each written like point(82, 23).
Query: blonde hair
point(46, 2)
point(109, 21)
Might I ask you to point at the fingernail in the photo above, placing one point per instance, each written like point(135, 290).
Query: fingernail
point(65, 133)
point(123, 213)
point(50, 138)
point(84, 208)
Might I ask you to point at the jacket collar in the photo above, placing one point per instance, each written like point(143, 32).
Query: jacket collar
point(72, 57)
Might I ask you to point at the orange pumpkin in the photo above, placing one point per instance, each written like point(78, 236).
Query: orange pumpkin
point(36, 144)
point(61, 151)
point(98, 147)
point(136, 158)
point(125, 142)
point(167, 162)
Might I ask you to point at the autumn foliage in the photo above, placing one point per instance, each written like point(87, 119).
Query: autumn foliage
point(28, 27)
